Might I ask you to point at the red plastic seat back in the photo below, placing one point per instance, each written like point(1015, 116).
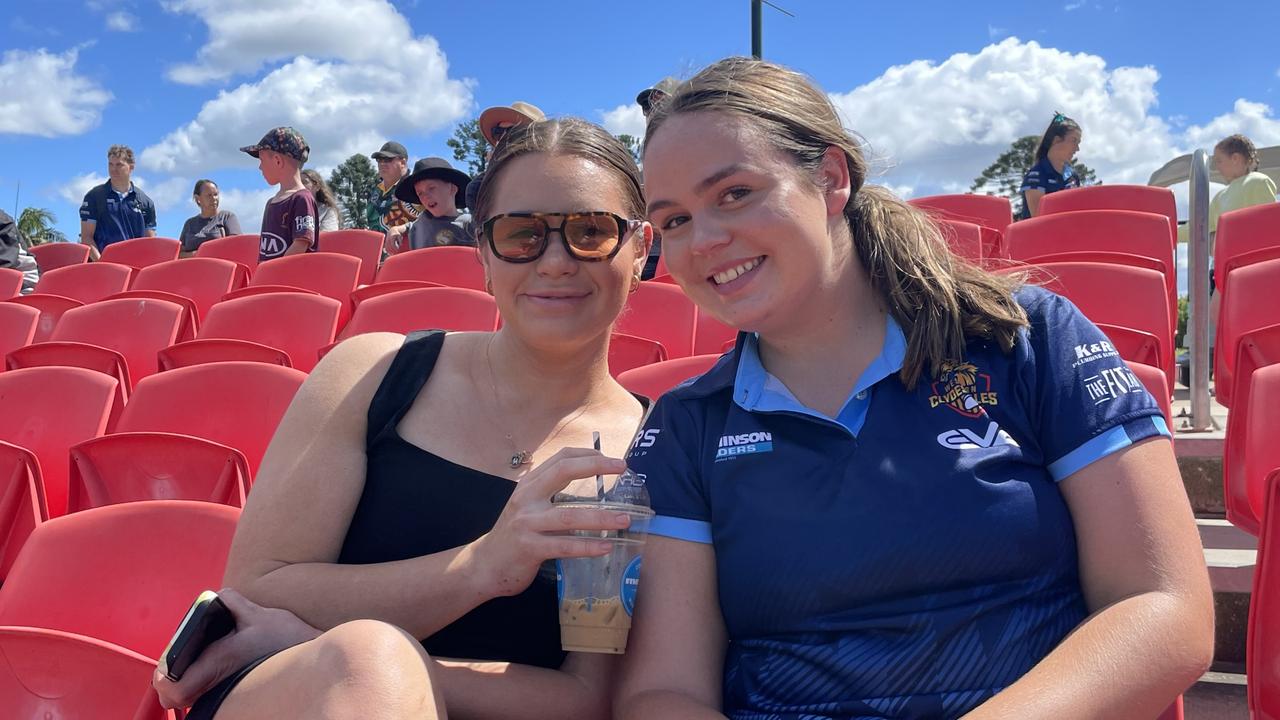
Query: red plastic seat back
point(238, 404)
point(364, 245)
point(986, 210)
point(297, 323)
point(710, 336)
point(1262, 659)
point(53, 674)
point(627, 352)
point(1244, 237)
point(10, 283)
point(128, 467)
point(51, 309)
point(203, 280)
point(88, 282)
point(1153, 379)
point(141, 252)
point(1257, 349)
point(661, 312)
point(1261, 451)
point(242, 249)
point(21, 501)
point(18, 324)
point(963, 238)
point(653, 380)
point(49, 409)
point(1142, 198)
point(1249, 306)
point(443, 308)
point(122, 573)
point(135, 328)
point(51, 256)
point(451, 266)
point(330, 274)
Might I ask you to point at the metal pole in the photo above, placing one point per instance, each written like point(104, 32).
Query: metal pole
point(1198, 286)
point(756, 51)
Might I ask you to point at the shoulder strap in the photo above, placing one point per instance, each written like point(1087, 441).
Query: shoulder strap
point(409, 371)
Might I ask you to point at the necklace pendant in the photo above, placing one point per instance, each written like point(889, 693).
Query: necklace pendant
point(523, 457)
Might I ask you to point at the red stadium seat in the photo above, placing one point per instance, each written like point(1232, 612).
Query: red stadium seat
point(203, 280)
point(18, 325)
point(1142, 198)
point(711, 335)
point(660, 312)
point(214, 350)
point(443, 308)
point(654, 380)
point(451, 266)
point(49, 409)
point(1244, 309)
point(188, 325)
point(627, 352)
point(237, 404)
point(1153, 379)
point(22, 503)
point(963, 238)
point(10, 283)
point(55, 674)
point(51, 256)
point(87, 283)
point(365, 292)
point(364, 245)
point(1261, 451)
point(51, 309)
point(989, 211)
point(1257, 349)
point(1246, 236)
point(332, 275)
point(140, 252)
point(1262, 653)
point(127, 467)
point(1138, 346)
point(123, 573)
point(299, 324)
point(242, 249)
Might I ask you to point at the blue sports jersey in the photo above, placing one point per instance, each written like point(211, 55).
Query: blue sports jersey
point(913, 556)
point(1042, 176)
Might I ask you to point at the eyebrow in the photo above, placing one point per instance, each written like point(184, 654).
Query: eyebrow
point(702, 186)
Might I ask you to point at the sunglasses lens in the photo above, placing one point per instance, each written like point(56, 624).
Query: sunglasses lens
point(518, 238)
point(592, 236)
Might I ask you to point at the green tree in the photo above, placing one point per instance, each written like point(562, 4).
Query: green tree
point(1004, 176)
point(351, 182)
point(36, 225)
point(633, 144)
point(469, 146)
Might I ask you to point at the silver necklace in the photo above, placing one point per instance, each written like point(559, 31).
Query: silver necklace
point(521, 457)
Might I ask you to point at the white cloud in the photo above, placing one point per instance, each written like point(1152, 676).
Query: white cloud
point(1075, 5)
point(166, 194)
point(74, 189)
point(995, 33)
point(246, 204)
point(121, 21)
point(44, 96)
point(625, 119)
point(1252, 119)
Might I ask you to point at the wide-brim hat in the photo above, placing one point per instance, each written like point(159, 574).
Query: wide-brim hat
point(433, 168)
point(518, 113)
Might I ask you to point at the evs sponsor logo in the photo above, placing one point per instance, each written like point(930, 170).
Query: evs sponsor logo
point(962, 388)
point(1111, 383)
point(731, 446)
point(966, 439)
point(1092, 352)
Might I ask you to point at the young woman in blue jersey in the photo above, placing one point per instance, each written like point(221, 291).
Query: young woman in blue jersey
point(913, 489)
point(1052, 170)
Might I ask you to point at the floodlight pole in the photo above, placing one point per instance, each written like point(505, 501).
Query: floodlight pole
point(756, 51)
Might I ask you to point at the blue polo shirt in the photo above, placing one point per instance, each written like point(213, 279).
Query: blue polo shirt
point(912, 556)
point(117, 216)
point(1043, 177)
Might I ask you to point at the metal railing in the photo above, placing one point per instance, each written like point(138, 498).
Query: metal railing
point(1198, 287)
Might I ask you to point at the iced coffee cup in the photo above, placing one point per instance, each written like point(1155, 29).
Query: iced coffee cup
point(597, 594)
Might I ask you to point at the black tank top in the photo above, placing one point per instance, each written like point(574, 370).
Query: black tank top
point(416, 503)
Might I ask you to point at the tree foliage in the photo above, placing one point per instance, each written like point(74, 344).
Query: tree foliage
point(351, 182)
point(1004, 176)
point(469, 146)
point(633, 144)
point(37, 226)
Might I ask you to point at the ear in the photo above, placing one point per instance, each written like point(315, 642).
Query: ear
point(644, 241)
point(833, 178)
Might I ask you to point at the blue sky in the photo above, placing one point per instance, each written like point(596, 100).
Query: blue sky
point(938, 89)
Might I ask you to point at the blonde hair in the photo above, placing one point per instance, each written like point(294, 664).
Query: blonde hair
point(121, 152)
point(939, 300)
point(1240, 145)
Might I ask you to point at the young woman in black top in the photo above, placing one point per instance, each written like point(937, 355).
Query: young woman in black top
point(406, 493)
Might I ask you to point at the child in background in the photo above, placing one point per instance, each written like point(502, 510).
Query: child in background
point(290, 219)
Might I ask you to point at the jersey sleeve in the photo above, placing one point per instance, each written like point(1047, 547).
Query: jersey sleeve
point(304, 217)
point(663, 455)
point(1034, 180)
point(88, 208)
point(149, 214)
point(1085, 401)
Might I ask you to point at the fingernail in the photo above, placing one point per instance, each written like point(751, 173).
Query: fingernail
point(622, 518)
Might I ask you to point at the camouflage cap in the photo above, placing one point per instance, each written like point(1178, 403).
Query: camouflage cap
point(284, 140)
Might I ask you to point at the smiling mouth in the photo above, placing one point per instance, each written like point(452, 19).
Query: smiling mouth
point(734, 273)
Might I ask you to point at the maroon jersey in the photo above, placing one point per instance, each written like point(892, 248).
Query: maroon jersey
point(285, 220)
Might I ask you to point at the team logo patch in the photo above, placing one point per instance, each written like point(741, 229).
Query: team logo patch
point(731, 446)
point(962, 388)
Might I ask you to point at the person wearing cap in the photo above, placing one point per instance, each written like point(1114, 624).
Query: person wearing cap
point(439, 189)
point(117, 209)
point(290, 219)
point(653, 95)
point(495, 123)
point(383, 210)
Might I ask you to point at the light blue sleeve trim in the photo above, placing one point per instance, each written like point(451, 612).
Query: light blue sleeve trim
point(1117, 438)
point(681, 529)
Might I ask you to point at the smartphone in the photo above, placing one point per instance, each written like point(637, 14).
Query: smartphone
point(206, 621)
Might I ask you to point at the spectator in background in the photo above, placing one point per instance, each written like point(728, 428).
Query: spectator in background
point(1052, 171)
point(383, 210)
point(647, 100)
point(289, 220)
point(494, 123)
point(1236, 160)
point(330, 215)
point(116, 210)
point(210, 223)
point(13, 255)
point(439, 189)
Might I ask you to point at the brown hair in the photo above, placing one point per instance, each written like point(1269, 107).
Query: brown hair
point(123, 152)
point(563, 136)
point(324, 196)
point(200, 185)
point(1239, 145)
point(939, 300)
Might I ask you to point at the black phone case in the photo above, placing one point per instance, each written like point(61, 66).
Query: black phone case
point(207, 624)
